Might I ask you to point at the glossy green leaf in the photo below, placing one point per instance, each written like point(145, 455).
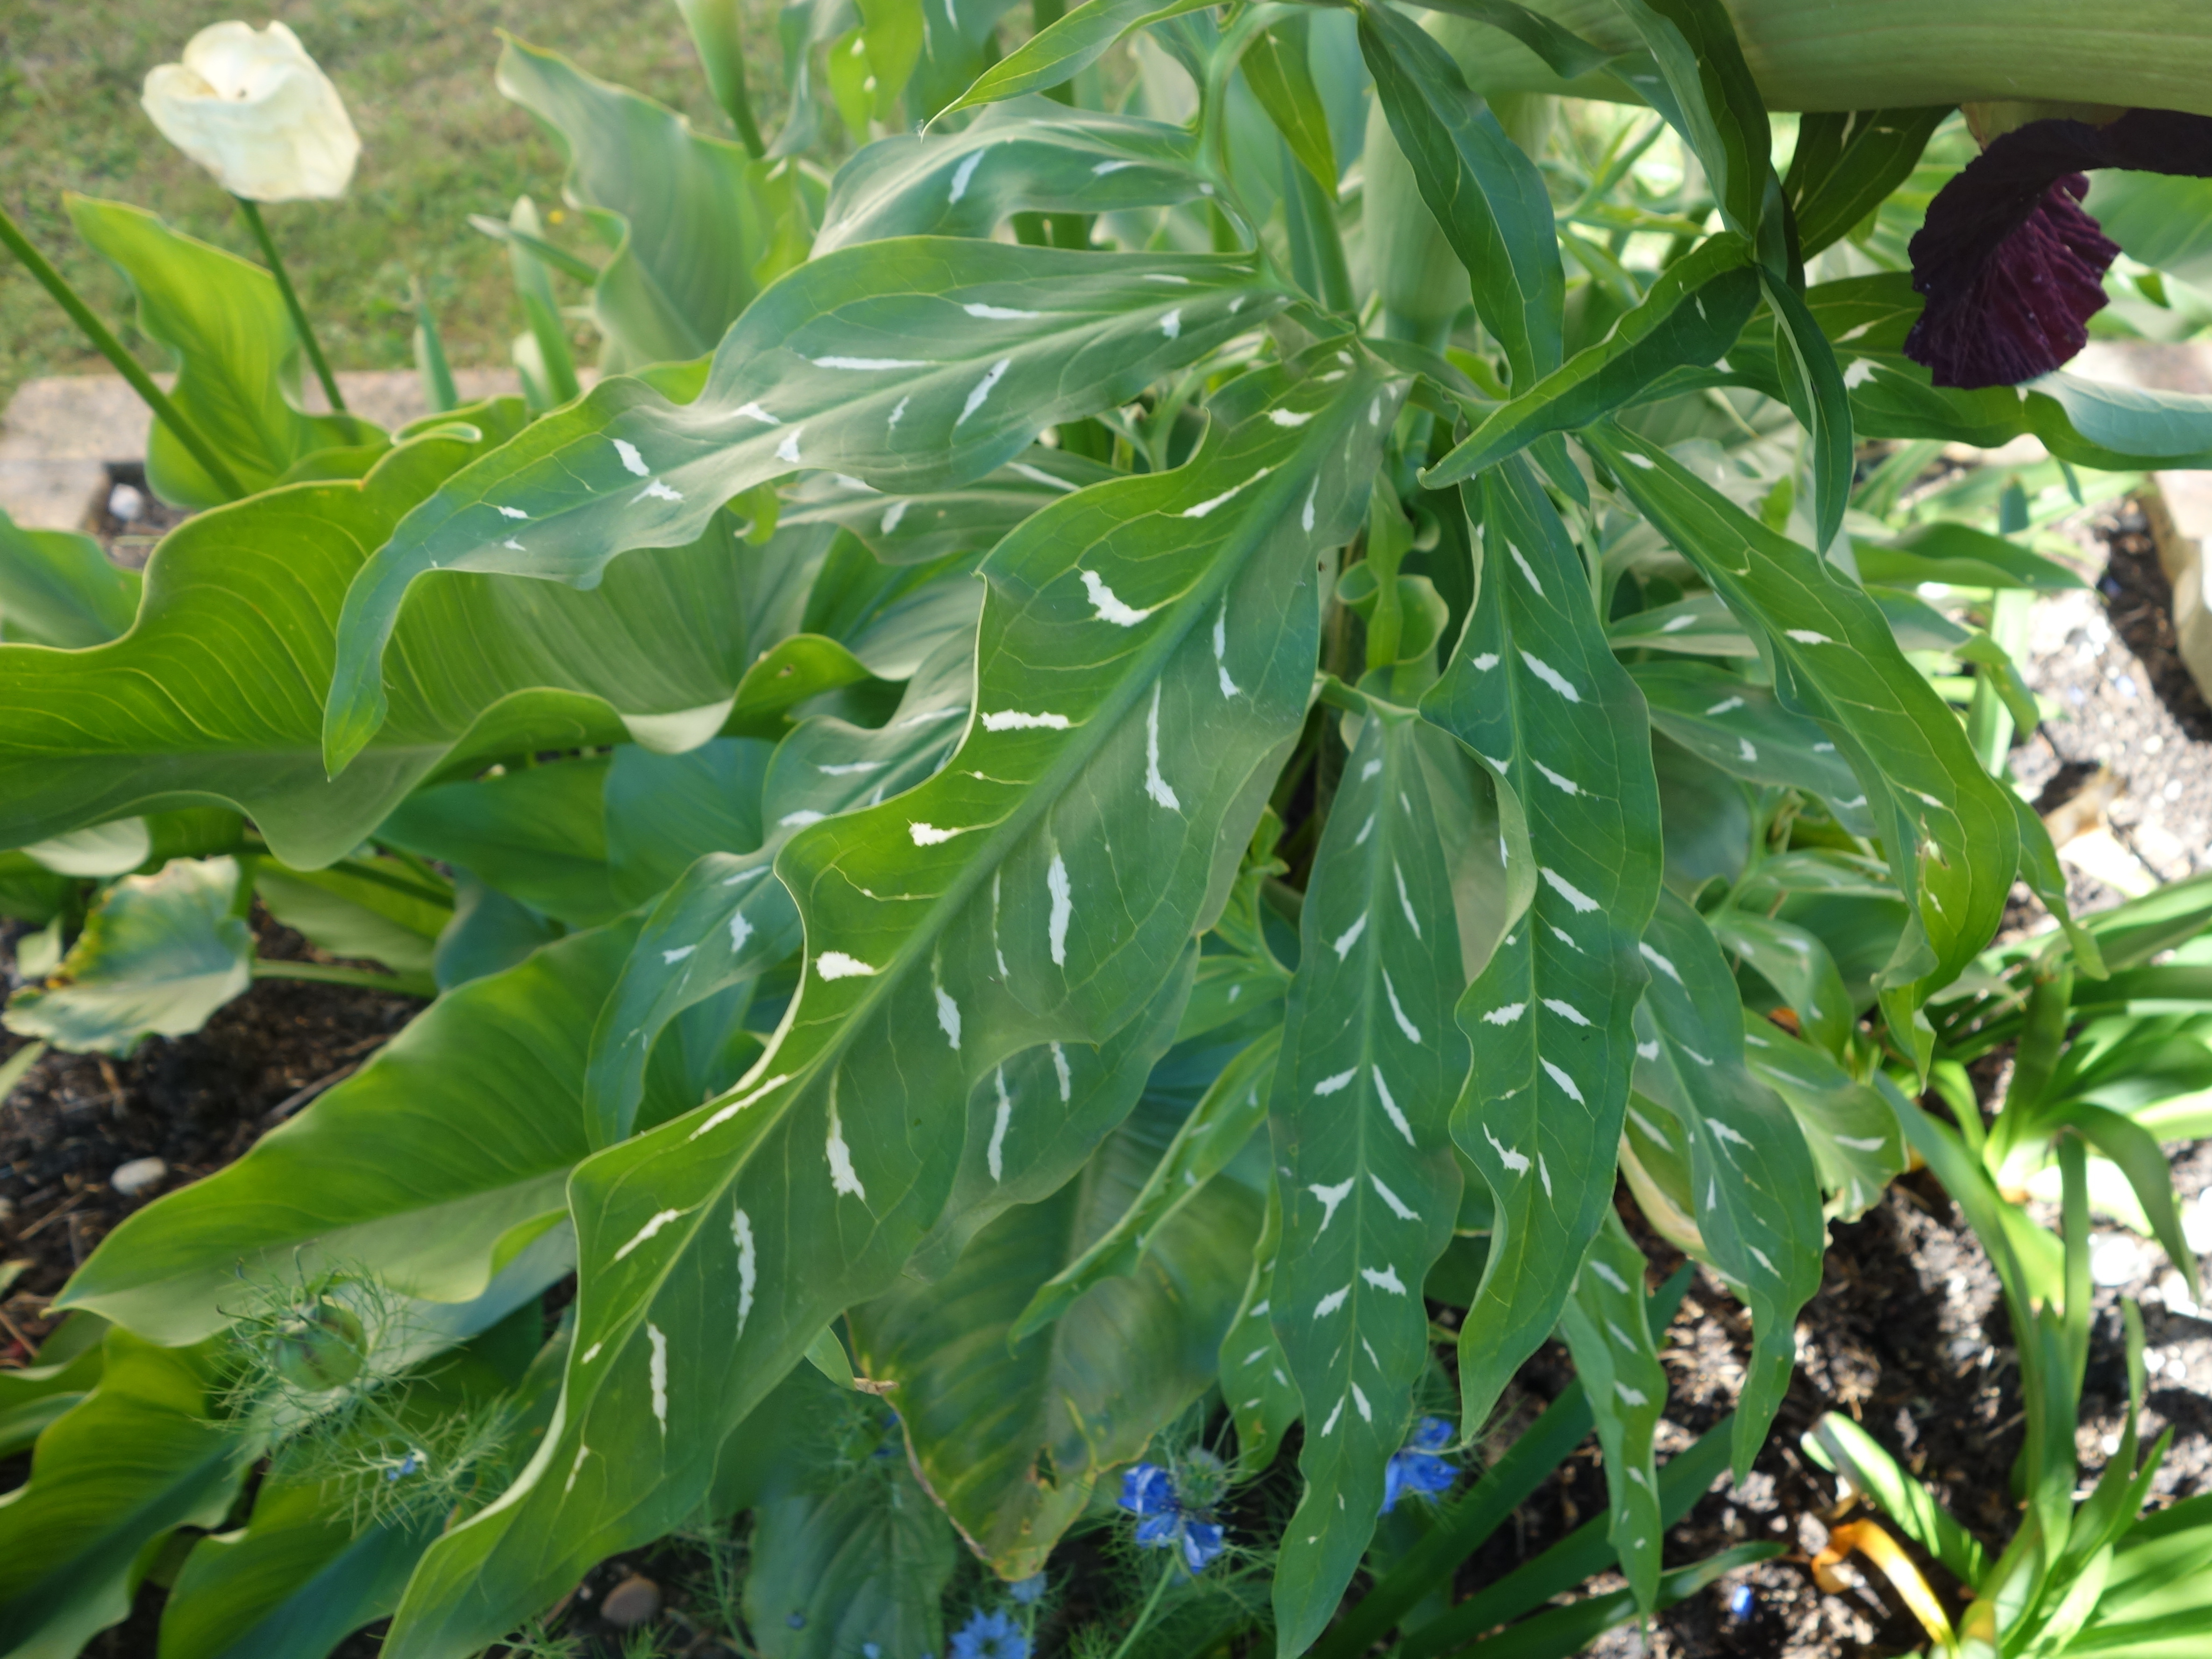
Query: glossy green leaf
point(1065, 47)
point(1253, 1372)
point(1944, 551)
point(1533, 688)
point(1697, 625)
point(158, 955)
point(1360, 1120)
point(238, 359)
point(1951, 829)
point(1015, 1430)
point(1753, 1180)
point(538, 834)
point(137, 1458)
point(1180, 614)
point(444, 1156)
point(858, 363)
point(1693, 314)
point(1716, 103)
point(918, 529)
point(1619, 1365)
point(1487, 195)
point(1028, 155)
point(58, 588)
point(217, 692)
point(699, 227)
point(1845, 165)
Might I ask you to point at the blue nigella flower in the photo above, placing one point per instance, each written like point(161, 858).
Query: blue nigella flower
point(1416, 1467)
point(406, 1466)
point(1029, 1589)
point(990, 1636)
point(1148, 1492)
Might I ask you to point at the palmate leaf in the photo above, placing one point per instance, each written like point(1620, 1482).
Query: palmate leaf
point(1360, 1120)
point(911, 364)
point(1487, 196)
point(1030, 155)
point(1752, 1179)
point(1014, 1431)
point(1136, 635)
point(1618, 1362)
point(1952, 834)
point(216, 693)
point(1534, 689)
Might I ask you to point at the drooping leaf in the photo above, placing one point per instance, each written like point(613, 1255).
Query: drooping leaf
point(1014, 1434)
point(1695, 312)
point(699, 227)
point(444, 1156)
point(1951, 830)
point(159, 954)
point(238, 359)
point(1254, 1373)
point(919, 529)
point(137, 1458)
point(217, 692)
point(1028, 156)
point(911, 364)
point(1533, 688)
point(1487, 196)
point(1360, 1114)
point(1036, 890)
point(1757, 1197)
point(58, 588)
point(1618, 1365)
point(1944, 551)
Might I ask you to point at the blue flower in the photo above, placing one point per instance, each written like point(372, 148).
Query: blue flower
point(990, 1636)
point(1027, 1590)
point(1415, 1468)
point(1148, 1491)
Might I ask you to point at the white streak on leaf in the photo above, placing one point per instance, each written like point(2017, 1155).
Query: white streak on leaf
point(1567, 1011)
point(657, 1374)
point(1397, 1010)
point(1229, 495)
point(1156, 785)
point(741, 1235)
point(1807, 636)
point(1060, 1066)
point(966, 171)
point(1329, 1427)
point(836, 965)
point(1384, 1278)
point(995, 1156)
point(1290, 417)
point(739, 1104)
point(1000, 314)
point(1108, 604)
point(632, 461)
point(928, 835)
point(672, 957)
point(1724, 705)
point(660, 1219)
point(1399, 1207)
point(1551, 676)
point(982, 389)
point(1390, 1106)
point(740, 931)
point(1857, 1144)
point(575, 1468)
point(755, 413)
point(843, 1177)
point(948, 1017)
point(1063, 908)
point(1505, 1014)
point(1630, 1396)
point(1016, 720)
point(1329, 1303)
point(1306, 518)
point(1659, 962)
point(1221, 649)
point(1330, 1197)
point(1566, 785)
point(1516, 1161)
point(1365, 830)
point(1565, 1082)
point(1527, 570)
point(1350, 936)
point(868, 365)
point(1405, 900)
point(1366, 1415)
point(788, 449)
point(1613, 1279)
point(1171, 324)
point(1566, 890)
point(513, 512)
point(1329, 1085)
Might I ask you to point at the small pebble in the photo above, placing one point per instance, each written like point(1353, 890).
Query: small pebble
point(2125, 684)
point(140, 1175)
point(126, 503)
point(631, 1602)
point(1740, 1602)
point(2114, 1259)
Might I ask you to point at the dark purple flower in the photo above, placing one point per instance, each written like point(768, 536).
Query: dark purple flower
point(2011, 266)
point(1415, 1467)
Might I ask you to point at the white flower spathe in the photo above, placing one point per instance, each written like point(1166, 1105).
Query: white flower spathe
point(253, 108)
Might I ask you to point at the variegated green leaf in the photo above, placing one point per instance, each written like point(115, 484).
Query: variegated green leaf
point(1952, 832)
point(1693, 314)
point(1619, 1363)
point(916, 529)
point(1852, 1132)
point(1216, 1131)
point(1757, 1197)
point(1795, 962)
point(1534, 689)
point(911, 364)
point(1360, 1118)
point(1742, 728)
point(1014, 1430)
point(1027, 154)
point(1039, 888)
point(1255, 1372)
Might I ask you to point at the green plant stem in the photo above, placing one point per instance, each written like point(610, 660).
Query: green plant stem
point(252, 209)
point(398, 985)
point(109, 347)
point(1151, 1603)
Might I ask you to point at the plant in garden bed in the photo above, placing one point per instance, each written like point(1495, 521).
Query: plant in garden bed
point(1064, 828)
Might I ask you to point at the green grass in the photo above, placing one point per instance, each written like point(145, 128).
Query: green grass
point(438, 143)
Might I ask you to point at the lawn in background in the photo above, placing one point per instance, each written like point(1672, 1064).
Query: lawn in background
point(438, 143)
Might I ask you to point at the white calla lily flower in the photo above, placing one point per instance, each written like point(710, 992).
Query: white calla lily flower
point(253, 108)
